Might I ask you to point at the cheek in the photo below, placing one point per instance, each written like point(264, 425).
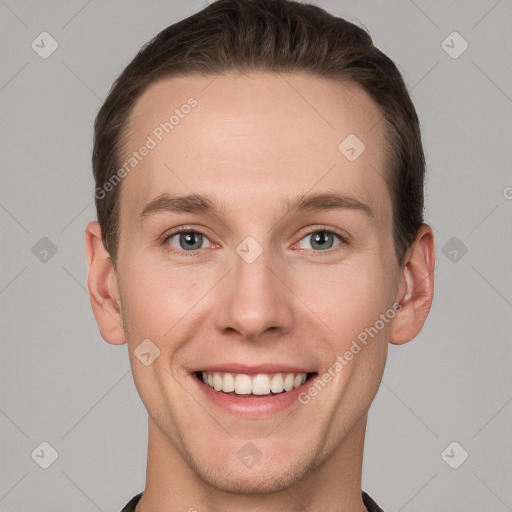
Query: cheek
point(348, 299)
point(156, 295)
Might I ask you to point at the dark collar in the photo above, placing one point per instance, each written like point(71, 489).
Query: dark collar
point(367, 500)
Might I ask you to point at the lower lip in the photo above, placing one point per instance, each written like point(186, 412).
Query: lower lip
point(251, 405)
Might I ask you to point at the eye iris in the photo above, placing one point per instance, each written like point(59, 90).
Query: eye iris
point(321, 237)
point(321, 240)
point(189, 239)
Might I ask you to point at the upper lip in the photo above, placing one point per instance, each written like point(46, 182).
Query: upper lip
point(253, 369)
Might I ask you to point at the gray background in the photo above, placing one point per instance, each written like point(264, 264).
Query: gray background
point(61, 383)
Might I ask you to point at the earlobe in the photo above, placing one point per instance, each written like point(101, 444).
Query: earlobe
point(103, 289)
point(416, 289)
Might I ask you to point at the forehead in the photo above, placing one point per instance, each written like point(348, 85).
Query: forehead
point(255, 139)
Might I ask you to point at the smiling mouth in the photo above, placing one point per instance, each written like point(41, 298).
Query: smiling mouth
point(261, 384)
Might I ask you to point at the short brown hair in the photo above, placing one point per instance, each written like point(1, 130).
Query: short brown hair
point(272, 36)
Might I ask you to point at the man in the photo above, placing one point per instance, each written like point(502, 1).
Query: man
point(260, 241)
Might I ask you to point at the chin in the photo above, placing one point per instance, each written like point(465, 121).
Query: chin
point(257, 480)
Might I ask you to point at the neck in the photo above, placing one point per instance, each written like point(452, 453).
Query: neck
point(332, 484)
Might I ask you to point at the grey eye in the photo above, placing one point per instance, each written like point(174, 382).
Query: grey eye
point(189, 240)
point(321, 239)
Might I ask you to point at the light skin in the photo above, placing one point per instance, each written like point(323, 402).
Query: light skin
point(253, 143)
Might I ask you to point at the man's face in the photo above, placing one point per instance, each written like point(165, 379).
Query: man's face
point(289, 299)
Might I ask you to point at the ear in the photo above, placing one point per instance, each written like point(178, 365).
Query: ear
point(102, 285)
point(416, 288)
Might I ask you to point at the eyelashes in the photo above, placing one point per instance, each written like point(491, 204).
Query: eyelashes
point(196, 238)
point(331, 236)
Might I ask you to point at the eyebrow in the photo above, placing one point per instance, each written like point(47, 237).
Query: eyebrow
point(207, 204)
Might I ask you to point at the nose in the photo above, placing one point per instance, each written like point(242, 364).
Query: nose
point(254, 300)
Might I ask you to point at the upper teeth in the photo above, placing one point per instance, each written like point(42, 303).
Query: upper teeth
point(260, 384)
